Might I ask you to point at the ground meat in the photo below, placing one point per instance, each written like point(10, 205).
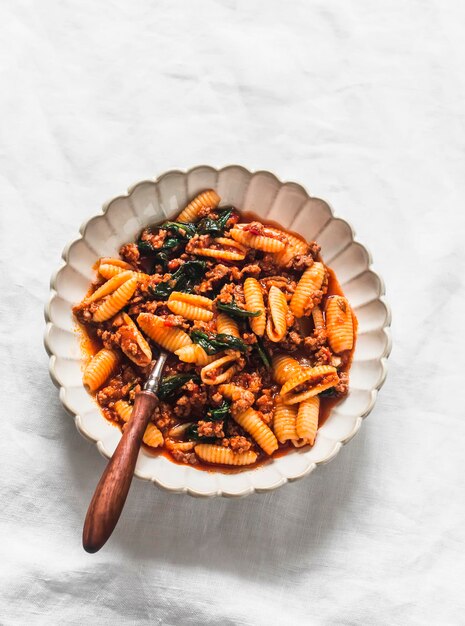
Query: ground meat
point(284, 282)
point(109, 339)
point(112, 392)
point(314, 250)
point(231, 292)
point(174, 264)
point(343, 385)
point(210, 429)
point(84, 312)
point(255, 228)
point(242, 399)
point(213, 278)
point(267, 418)
point(193, 401)
point(207, 211)
point(198, 242)
point(130, 253)
point(175, 321)
point(208, 327)
point(252, 269)
point(156, 240)
point(238, 443)
point(215, 397)
point(163, 418)
point(291, 341)
point(258, 229)
point(300, 262)
point(252, 382)
point(184, 457)
point(313, 301)
point(150, 306)
point(265, 402)
point(249, 338)
point(268, 265)
point(316, 340)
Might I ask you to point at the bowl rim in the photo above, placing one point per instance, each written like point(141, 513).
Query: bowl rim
point(153, 479)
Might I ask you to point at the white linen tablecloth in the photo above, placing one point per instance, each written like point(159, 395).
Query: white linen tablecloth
point(363, 103)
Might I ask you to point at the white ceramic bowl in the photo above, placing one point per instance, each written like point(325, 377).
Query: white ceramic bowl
point(150, 202)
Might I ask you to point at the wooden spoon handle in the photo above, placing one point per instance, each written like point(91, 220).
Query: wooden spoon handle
point(112, 489)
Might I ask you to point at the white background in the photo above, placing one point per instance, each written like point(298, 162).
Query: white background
point(361, 102)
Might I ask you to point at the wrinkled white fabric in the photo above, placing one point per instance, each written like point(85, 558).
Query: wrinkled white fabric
point(363, 103)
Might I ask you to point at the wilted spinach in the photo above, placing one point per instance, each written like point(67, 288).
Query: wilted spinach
point(233, 310)
point(170, 384)
point(216, 343)
point(208, 226)
point(219, 413)
point(184, 279)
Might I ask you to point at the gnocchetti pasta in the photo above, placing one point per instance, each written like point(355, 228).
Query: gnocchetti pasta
point(259, 334)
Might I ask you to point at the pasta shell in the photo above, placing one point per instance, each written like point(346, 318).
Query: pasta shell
point(190, 306)
point(227, 326)
point(191, 298)
point(225, 253)
point(133, 343)
point(285, 416)
point(284, 367)
point(152, 436)
point(307, 419)
point(100, 368)
point(109, 287)
point(194, 353)
point(216, 373)
point(259, 242)
point(224, 456)
point(294, 247)
point(115, 301)
point(207, 199)
point(183, 446)
point(254, 302)
point(339, 324)
point(318, 319)
point(314, 380)
point(252, 423)
point(311, 281)
point(124, 410)
point(107, 260)
point(276, 325)
point(167, 337)
point(109, 271)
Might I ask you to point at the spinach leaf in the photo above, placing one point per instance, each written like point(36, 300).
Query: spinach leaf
point(183, 279)
point(208, 226)
point(233, 310)
point(219, 413)
point(189, 274)
point(216, 343)
point(161, 258)
point(185, 231)
point(262, 353)
point(170, 384)
point(145, 248)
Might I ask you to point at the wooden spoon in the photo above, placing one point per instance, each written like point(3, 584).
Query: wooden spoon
point(111, 492)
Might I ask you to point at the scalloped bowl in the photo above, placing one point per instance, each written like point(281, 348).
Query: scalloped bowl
point(149, 202)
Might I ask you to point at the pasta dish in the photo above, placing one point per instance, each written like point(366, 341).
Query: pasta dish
point(259, 333)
